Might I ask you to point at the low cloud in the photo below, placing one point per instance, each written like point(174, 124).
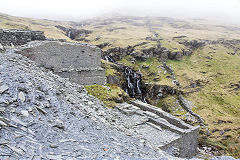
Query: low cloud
point(223, 10)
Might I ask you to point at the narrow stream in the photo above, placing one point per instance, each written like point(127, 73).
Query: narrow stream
point(133, 79)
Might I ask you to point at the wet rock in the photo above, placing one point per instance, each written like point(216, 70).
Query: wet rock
point(187, 52)
point(74, 33)
point(226, 137)
point(151, 38)
point(160, 91)
point(37, 158)
point(164, 54)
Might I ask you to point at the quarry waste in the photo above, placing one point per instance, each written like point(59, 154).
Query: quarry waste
point(45, 116)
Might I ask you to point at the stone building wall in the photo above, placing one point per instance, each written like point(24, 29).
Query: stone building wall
point(81, 63)
point(160, 129)
point(19, 37)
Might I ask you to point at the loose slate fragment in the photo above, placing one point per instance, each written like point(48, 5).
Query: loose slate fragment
point(3, 88)
point(14, 119)
point(21, 96)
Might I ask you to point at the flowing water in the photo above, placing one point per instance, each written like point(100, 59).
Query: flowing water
point(133, 79)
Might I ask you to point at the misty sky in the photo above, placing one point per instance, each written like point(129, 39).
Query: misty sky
point(224, 10)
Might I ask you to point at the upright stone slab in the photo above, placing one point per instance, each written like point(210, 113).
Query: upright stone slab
point(81, 63)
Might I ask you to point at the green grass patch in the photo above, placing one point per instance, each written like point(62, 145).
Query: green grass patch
point(107, 94)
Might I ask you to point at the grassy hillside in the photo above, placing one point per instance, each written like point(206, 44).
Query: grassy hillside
point(216, 97)
point(217, 100)
point(11, 22)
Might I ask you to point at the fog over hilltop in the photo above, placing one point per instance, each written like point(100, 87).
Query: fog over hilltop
point(221, 10)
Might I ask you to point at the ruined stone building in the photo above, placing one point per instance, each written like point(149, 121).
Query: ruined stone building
point(81, 63)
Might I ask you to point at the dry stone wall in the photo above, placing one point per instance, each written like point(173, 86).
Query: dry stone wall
point(19, 37)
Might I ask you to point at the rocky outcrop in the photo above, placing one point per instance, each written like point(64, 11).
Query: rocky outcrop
point(231, 44)
point(74, 33)
point(157, 92)
point(194, 44)
point(159, 52)
point(118, 53)
point(19, 37)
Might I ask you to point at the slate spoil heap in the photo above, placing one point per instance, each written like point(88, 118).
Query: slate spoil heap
point(43, 116)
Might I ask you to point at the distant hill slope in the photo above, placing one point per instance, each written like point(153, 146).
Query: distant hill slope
point(48, 26)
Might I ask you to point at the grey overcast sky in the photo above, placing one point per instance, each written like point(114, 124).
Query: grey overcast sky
point(223, 10)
